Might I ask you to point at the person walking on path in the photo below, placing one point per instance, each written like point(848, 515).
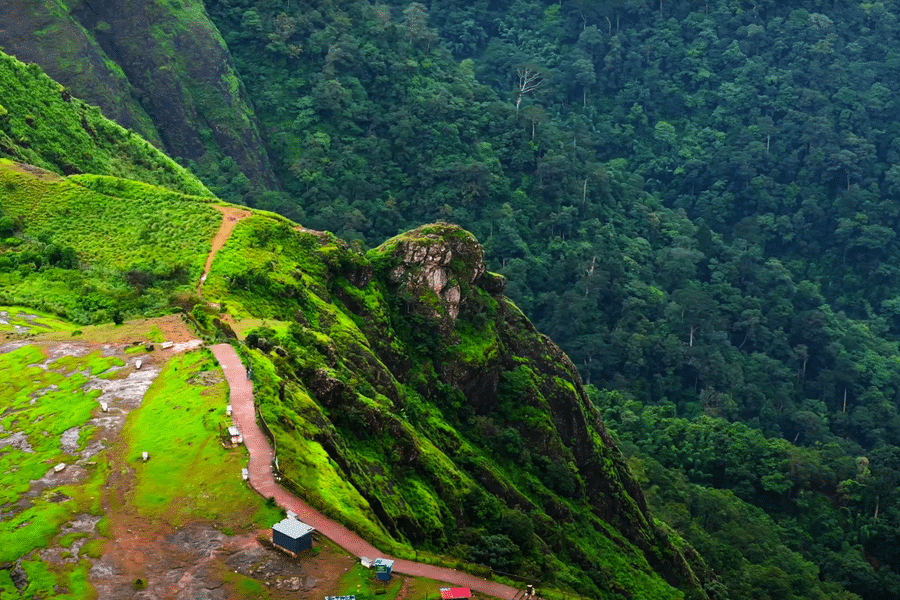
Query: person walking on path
point(263, 481)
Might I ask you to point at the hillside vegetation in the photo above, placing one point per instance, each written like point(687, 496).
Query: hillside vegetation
point(41, 124)
point(159, 68)
point(694, 199)
point(407, 396)
point(94, 256)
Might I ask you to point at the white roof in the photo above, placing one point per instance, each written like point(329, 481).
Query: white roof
point(233, 430)
point(292, 528)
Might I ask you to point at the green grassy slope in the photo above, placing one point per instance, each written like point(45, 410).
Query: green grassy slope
point(88, 255)
point(42, 124)
point(32, 30)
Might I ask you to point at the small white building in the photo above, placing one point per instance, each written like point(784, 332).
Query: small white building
point(138, 363)
point(235, 434)
point(145, 456)
point(59, 467)
point(228, 410)
point(104, 407)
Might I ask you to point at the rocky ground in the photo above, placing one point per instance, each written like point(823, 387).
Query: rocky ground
point(142, 560)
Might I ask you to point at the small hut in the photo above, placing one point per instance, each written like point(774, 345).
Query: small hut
point(383, 568)
point(292, 535)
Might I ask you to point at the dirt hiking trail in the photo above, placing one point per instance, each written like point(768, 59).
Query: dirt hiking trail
point(230, 218)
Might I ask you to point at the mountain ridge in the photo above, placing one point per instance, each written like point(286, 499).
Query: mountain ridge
point(357, 381)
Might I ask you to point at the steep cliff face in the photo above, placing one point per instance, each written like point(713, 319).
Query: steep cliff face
point(45, 34)
point(42, 124)
point(521, 382)
point(409, 396)
point(157, 67)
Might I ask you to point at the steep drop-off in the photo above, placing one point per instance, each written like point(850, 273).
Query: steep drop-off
point(159, 68)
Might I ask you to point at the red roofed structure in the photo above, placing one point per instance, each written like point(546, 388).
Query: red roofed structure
point(455, 593)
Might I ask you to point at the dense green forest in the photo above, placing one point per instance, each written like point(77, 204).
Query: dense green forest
point(695, 199)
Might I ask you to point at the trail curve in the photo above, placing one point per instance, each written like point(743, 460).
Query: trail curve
point(262, 480)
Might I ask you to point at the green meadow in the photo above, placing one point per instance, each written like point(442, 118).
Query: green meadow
point(190, 474)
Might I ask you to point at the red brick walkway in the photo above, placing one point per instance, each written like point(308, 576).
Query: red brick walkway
point(261, 479)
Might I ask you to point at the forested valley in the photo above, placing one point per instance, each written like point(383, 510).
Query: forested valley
point(696, 199)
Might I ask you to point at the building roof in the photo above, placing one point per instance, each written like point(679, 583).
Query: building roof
point(384, 561)
point(233, 430)
point(292, 528)
point(455, 593)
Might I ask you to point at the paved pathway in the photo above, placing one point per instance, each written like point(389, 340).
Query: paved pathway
point(261, 479)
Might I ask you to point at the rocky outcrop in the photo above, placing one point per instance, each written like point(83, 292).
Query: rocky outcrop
point(432, 267)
